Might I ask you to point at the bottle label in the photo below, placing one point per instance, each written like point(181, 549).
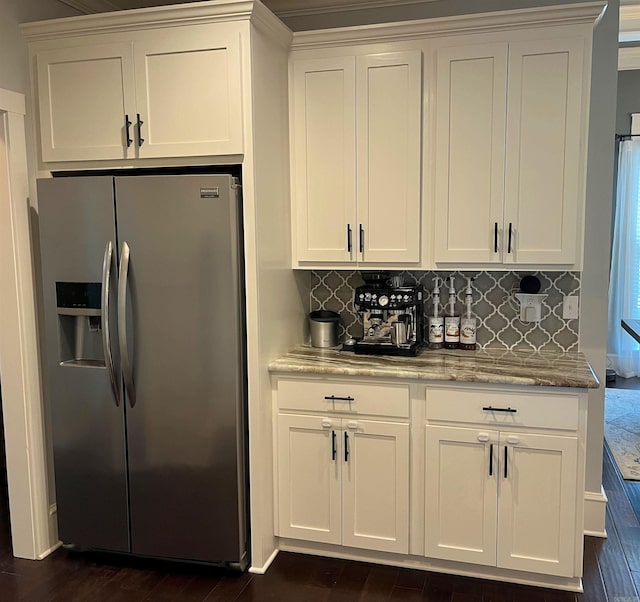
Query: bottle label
point(452, 329)
point(436, 330)
point(468, 331)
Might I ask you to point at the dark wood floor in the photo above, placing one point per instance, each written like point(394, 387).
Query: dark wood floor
point(612, 572)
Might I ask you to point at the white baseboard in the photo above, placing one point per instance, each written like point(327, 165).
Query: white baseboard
point(595, 507)
point(51, 550)
point(261, 570)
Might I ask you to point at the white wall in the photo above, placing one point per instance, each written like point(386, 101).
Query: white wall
point(595, 276)
point(14, 75)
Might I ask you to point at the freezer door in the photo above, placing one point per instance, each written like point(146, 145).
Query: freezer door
point(184, 316)
point(77, 223)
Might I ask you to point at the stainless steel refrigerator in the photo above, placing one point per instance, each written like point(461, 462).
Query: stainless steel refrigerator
point(145, 363)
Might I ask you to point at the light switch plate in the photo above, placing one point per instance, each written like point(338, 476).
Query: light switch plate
point(570, 307)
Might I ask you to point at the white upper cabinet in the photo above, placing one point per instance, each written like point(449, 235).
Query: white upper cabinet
point(471, 96)
point(356, 140)
point(542, 184)
point(85, 96)
point(323, 158)
point(174, 92)
point(188, 91)
point(389, 93)
point(509, 183)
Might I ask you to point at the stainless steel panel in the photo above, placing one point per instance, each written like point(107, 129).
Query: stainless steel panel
point(76, 222)
point(185, 318)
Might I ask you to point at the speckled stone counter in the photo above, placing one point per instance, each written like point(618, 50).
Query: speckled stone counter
point(482, 366)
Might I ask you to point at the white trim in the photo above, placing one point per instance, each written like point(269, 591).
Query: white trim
point(580, 13)
point(261, 570)
point(32, 527)
point(595, 507)
point(49, 551)
point(628, 58)
point(211, 11)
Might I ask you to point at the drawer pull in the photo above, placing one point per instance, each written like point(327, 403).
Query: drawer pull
point(334, 398)
point(491, 460)
point(483, 437)
point(326, 423)
point(513, 440)
point(334, 447)
point(492, 409)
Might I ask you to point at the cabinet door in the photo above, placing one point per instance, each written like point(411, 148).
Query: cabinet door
point(323, 159)
point(375, 478)
point(388, 107)
point(461, 494)
point(308, 478)
point(545, 113)
point(471, 87)
point(536, 524)
point(84, 94)
point(188, 91)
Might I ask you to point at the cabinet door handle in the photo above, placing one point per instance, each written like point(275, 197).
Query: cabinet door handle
point(361, 239)
point(491, 460)
point(492, 409)
point(346, 446)
point(334, 398)
point(349, 238)
point(495, 237)
point(506, 461)
point(334, 446)
point(127, 125)
point(510, 237)
point(139, 123)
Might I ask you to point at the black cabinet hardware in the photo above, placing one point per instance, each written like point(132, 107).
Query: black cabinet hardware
point(506, 461)
point(510, 236)
point(492, 409)
point(361, 239)
point(127, 125)
point(334, 447)
point(334, 398)
point(495, 237)
point(349, 238)
point(139, 123)
point(346, 446)
point(491, 460)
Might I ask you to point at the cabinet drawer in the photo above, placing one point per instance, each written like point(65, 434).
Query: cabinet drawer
point(343, 396)
point(535, 409)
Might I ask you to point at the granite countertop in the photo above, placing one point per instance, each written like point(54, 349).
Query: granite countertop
point(540, 368)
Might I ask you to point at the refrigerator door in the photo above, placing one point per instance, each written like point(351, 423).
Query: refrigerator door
point(184, 335)
point(77, 223)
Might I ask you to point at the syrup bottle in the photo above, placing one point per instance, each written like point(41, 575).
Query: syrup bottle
point(451, 319)
point(436, 321)
point(468, 323)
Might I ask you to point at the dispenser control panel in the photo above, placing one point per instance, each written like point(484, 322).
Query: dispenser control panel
point(80, 295)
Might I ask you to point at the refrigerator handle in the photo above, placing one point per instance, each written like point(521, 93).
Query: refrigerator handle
point(122, 324)
point(106, 341)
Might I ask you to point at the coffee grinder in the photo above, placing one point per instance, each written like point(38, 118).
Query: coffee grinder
point(391, 316)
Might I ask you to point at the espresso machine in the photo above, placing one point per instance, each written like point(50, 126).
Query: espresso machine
point(391, 317)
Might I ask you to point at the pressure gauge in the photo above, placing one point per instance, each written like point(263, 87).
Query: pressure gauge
point(383, 301)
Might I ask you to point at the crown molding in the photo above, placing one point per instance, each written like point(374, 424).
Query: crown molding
point(568, 14)
point(292, 8)
point(88, 7)
point(193, 13)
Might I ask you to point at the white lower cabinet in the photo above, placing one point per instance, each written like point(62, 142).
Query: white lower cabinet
point(344, 481)
point(501, 498)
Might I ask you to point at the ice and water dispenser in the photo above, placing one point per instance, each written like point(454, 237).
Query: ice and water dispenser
point(80, 323)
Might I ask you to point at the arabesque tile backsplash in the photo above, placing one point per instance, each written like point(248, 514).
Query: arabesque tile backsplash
point(497, 310)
